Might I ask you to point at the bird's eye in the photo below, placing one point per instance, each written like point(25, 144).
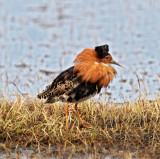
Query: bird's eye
point(107, 57)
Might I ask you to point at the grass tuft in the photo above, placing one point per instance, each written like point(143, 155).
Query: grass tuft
point(131, 127)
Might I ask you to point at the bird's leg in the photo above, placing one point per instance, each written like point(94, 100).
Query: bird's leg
point(85, 126)
point(67, 115)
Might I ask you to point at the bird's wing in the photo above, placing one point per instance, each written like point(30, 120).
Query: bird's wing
point(60, 84)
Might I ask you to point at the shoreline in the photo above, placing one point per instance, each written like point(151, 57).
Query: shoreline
point(133, 127)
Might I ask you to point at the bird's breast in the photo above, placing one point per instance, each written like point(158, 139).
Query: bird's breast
point(95, 72)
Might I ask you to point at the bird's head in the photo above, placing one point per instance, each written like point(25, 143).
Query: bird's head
point(102, 53)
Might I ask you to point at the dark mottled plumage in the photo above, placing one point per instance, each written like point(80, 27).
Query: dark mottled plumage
point(67, 87)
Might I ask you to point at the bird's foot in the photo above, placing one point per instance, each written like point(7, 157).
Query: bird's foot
point(86, 126)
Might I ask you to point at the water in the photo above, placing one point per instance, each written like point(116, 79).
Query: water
point(47, 35)
point(29, 153)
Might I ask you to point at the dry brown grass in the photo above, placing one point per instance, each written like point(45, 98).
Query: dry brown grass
point(132, 127)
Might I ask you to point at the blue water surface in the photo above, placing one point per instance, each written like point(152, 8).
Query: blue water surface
point(46, 35)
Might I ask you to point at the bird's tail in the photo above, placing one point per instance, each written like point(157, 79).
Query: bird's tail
point(44, 94)
point(40, 95)
point(47, 95)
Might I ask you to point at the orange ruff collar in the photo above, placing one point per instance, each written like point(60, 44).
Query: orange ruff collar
point(92, 69)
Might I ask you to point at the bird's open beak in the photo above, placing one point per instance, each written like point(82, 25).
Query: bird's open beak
point(114, 62)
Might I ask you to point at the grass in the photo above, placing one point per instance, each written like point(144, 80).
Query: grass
point(129, 129)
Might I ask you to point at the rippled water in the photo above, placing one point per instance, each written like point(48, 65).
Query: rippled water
point(40, 38)
point(30, 154)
